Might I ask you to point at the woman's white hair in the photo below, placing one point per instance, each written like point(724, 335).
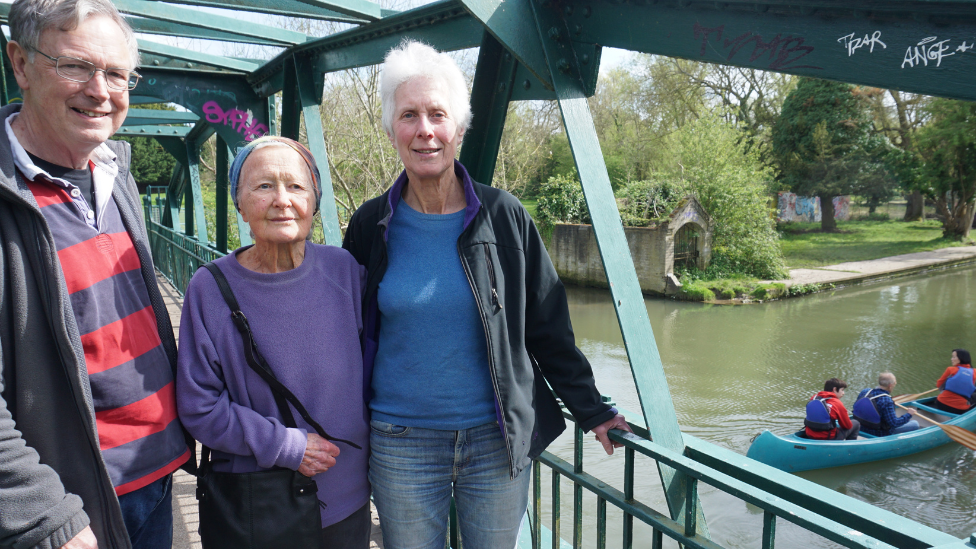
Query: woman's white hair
point(412, 59)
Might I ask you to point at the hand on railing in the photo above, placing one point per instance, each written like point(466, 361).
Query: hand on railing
point(616, 422)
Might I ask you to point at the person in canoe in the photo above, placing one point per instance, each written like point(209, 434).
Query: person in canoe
point(957, 384)
point(827, 417)
point(876, 411)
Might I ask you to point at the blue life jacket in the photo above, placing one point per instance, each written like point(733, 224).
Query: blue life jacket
point(818, 415)
point(866, 412)
point(961, 383)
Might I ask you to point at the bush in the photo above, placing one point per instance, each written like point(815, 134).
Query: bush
point(713, 160)
point(696, 291)
point(561, 201)
point(772, 290)
point(642, 203)
point(876, 216)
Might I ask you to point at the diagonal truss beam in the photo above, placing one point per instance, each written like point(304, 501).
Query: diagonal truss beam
point(167, 28)
point(294, 8)
point(209, 21)
point(568, 79)
point(163, 50)
point(152, 131)
point(444, 25)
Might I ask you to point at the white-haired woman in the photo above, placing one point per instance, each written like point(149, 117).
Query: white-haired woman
point(466, 321)
point(302, 302)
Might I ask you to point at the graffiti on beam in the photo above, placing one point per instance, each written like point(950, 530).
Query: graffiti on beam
point(932, 49)
point(783, 51)
point(853, 43)
point(242, 122)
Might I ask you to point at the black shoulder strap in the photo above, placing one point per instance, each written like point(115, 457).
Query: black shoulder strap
point(256, 361)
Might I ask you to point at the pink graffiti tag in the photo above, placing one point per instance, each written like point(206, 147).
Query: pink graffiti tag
point(236, 119)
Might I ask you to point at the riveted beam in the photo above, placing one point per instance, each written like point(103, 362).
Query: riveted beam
point(568, 80)
point(175, 146)
point(169, 28)
point(209, 21)
point(300, 101)
point(152, 131)
point(195, 216)
point(911, 46)
point(444, 25)
point(172, 52)
point(489, 104)
point(227, 102)
point(142, 117)
point(512, 24)
point(287, 8)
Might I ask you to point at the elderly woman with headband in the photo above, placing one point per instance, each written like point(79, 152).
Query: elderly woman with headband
point(467, 328)
point(303, 303)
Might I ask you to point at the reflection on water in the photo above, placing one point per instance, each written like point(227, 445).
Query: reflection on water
point(735, 370)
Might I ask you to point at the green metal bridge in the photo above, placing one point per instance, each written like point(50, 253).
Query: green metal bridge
point(530, 50)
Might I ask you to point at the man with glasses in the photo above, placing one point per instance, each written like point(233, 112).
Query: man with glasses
point(89, 436)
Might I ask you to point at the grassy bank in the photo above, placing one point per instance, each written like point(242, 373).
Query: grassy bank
point(805, 247)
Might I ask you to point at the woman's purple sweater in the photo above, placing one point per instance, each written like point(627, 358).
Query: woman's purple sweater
point(306, 323)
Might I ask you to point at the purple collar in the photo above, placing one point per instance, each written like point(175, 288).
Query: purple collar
point(470, 197)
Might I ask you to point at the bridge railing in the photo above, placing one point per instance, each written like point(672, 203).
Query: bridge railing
point(780, 495)
point(176, 255)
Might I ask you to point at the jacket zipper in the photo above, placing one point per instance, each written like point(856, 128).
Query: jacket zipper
point(491, 273)
point(491, 355)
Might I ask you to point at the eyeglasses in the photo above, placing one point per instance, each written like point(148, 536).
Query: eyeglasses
point(79, 70)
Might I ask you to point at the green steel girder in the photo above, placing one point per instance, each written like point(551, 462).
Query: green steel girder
point(288, 8)
point(569, 83)
point(152, 131)
point(490, 94)
point(163, 51)
point(8, 83)
point(225, 101)
point(444, 25)
point(142, 117)
point(195, 216)
point(209, 21)
point(175, 146)
point(904, 45)
point(221, 182)
point(167, 28)
point(301, 97)
point(365, 9)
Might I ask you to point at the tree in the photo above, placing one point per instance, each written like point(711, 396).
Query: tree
point(151, 165)
point(824, 145)
point(947, 145)
point(898, 117)
point(727, 177)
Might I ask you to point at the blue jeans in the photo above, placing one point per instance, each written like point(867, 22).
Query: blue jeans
point(910, 426)
point(148, 515)
point(415, 471)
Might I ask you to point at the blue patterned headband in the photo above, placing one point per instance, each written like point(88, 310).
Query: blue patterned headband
point(235, 167)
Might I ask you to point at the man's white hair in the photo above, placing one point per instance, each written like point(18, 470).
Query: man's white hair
point(411, 60)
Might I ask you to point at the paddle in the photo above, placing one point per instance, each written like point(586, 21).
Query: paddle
point(956, 433)
point(901, 399)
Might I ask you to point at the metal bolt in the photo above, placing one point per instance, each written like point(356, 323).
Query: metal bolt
point(563, 65)
point(501, 87)
point(156, 62)
point(587, 11)
point(568, 11)
point(508, 57)
point(189, 65)
point(585, 59)
point(527, 84)
point(577, 30)
point(554, 33)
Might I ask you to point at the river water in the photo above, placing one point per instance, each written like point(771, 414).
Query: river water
point(735, 370)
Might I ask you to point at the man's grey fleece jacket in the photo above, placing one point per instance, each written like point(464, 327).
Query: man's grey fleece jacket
point(50, 462)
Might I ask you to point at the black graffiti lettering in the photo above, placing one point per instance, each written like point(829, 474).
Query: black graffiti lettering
point(705, 31)
point(783, 51)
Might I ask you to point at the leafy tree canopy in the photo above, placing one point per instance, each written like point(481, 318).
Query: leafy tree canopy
point(948, 174)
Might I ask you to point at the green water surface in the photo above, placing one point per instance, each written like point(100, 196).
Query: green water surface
point(736, 370)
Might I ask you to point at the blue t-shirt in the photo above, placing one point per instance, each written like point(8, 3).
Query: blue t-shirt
point(431, 367)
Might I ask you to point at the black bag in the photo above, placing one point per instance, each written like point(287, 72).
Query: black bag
point(276, 509)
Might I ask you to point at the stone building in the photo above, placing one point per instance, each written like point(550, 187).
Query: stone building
point(684, 238)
